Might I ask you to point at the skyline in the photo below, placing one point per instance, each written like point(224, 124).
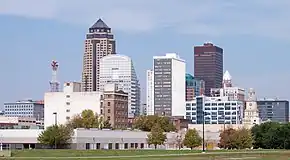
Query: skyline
point(31, 37)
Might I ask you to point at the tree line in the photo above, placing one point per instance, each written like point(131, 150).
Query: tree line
point(269, 135)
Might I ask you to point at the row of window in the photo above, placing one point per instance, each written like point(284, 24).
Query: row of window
point(213, 113)
point(213, 108)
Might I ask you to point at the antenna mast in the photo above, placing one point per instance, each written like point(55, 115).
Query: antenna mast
point(54, 84)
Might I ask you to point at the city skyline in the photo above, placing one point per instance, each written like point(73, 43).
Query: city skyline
point(26, 56)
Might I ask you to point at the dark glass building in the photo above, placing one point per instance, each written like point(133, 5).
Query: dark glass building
point(208, 65)
point(274, 110)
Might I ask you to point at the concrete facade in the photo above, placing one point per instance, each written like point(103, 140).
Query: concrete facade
point(169, 85)
point(88, 139)
point(69, 103)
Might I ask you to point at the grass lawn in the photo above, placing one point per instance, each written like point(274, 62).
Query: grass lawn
point(151, 154)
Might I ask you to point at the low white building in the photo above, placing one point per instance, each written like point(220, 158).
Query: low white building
point(59, 107)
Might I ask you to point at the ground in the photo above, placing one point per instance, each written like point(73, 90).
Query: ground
point(151, 155)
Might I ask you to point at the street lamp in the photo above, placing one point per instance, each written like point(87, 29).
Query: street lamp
point(203, 145)
point(55, 123)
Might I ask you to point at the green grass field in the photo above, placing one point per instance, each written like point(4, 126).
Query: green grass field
point(151, 154)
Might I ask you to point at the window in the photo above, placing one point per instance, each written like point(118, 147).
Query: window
point(110, 145)
point(101, 111)
point(109, 111)
point(67, 103)
point(132, 145)
point(109, 118)
point(116, 145)
point(67, 96)
point(67, 118)
point(126, 146)
point(67, 110)
point(87, 145)
point(109, 103)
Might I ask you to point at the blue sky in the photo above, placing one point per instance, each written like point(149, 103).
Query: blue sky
point(254, 35)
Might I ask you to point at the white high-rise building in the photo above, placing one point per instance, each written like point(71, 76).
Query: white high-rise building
point(119, 69)
point(251, 112)
point(150, 92)
point(169, 85)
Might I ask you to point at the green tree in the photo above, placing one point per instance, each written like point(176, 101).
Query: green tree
point(145, 123)
point(271, 135)
point(242, 139)
point(156, 136)
point(227, 138)
point(192, 139)
point(107, 125)
point(58, 136)
point(87, 119)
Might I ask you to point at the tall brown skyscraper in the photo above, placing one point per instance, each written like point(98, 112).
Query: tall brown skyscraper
point(99, 42)
point(208, 65)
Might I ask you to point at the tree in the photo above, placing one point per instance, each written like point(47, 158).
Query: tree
point(145, 123)
point(156, 136)
point(192, 139)
point(107, 125)
point(227, 138)
point(271, 135)
point(242, 139)
point(87, 119)
point(58, 136)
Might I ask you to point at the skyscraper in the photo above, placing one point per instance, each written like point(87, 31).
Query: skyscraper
point(150, 92)
point(99, 43)
point(119, 69)
point(208, 65)
point(169, 85)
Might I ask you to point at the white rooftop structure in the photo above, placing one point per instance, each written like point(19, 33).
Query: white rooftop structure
point(227, 76)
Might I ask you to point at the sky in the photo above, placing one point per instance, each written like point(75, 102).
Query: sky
point(254, 35)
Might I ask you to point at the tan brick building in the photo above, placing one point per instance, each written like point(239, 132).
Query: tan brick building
point(114, 106)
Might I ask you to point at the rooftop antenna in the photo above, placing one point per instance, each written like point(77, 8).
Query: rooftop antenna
point(54, 84)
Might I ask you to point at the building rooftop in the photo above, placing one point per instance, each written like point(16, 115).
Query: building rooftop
point(100, 24)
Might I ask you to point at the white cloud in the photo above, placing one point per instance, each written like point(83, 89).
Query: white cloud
point(215, 18)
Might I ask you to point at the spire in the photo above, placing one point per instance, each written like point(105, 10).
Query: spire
point(100, 24)
point(227, 76)
point(227, 80)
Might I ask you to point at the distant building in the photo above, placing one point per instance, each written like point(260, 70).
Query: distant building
point(274, 110)
point(114, 106)
point(20, 123)
point(24, 108)
point(208, 65)
point(169, 85)
point(194, 87)
point(217, 110)
point(150, 92)
point(99, 43)
point(62, 106)
point(143, 109)
point(119, 69)
point(251, 114)
point(234, 93)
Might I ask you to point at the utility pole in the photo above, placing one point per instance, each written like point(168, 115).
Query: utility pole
point(203, 145)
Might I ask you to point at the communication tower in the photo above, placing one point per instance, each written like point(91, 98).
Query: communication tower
point(54, 84)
